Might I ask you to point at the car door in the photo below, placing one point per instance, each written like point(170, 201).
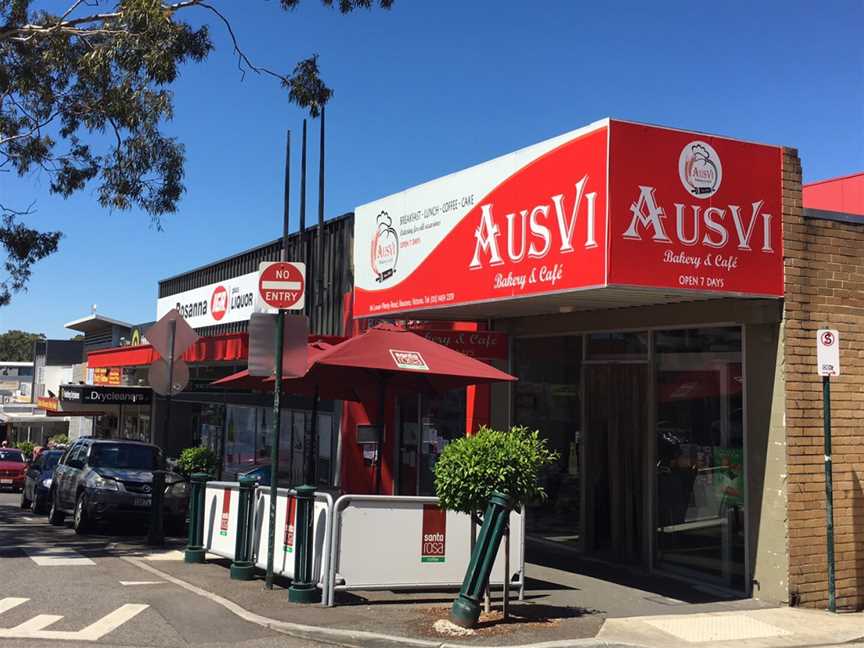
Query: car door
point(60, 474)
point(34, 470)
point(66, 487)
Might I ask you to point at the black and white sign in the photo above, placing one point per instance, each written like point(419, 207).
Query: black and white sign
point(828, 352)
point(101, 395)
point(232, 300)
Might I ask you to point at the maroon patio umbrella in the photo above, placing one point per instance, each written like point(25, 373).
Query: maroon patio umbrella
point(385, 357)
point(242, 379)
point(389, 357)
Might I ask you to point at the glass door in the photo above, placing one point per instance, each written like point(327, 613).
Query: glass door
point(700, 454)
point(547, 398)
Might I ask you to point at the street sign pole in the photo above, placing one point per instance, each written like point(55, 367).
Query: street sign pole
point(828, 365)
point(829, 491)
point(156, 533)
point(274, 447)
point(277, 387)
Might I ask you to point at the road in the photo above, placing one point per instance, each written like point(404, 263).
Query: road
point(58, 589)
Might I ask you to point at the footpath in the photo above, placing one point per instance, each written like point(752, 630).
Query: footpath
point(554, 614)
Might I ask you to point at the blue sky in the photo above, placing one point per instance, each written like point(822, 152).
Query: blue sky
point(431, 87)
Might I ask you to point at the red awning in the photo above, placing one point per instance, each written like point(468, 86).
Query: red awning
point(226, 347)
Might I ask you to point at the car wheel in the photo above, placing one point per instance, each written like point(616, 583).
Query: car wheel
point(80, 521)
point(55, 515)
point(25, 503)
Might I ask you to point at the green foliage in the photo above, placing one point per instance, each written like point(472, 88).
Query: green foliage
point(17, 346)
point(201, 459)
point(59, 439)
point(26, 447)
point(85, 96)
point(470, 469)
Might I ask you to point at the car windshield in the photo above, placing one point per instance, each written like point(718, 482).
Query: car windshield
point(11, 455)
point(121, 455)
point(49, 461)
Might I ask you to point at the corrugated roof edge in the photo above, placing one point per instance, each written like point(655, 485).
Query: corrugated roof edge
point(310, 228)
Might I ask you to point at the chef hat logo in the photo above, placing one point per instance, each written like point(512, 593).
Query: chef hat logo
point(700, 152)
point(384, 219)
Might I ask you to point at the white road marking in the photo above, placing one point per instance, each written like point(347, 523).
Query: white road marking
point(11, 602)
point(39, 622)
point(35, 627)
point(27, 518)
point(141, 582)
point(56, 557)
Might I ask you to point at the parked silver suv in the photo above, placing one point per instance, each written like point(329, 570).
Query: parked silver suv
point(101, 480)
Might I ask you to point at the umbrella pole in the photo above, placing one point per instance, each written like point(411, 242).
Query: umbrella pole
point(310, 445)
point(382, 390)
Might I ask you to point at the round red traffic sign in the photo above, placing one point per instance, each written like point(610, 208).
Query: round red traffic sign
point(283, 285)
point(827, 338)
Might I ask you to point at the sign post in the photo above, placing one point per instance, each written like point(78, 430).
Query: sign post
point(828, 364)
point(170, 336)
point(282, 286)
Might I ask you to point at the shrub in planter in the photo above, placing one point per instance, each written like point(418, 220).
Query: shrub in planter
point(26, 448)
point(509, 462)
point(201, 459)
point(59, 439)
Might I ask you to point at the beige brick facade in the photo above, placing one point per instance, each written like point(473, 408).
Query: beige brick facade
point(824, 287)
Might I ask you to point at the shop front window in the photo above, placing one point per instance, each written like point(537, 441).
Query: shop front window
point(547, 398)
point(700, 454)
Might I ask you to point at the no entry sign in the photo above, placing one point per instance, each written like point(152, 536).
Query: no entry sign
point(283, 284)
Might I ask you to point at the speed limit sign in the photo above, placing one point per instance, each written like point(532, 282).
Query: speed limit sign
point(828, 352)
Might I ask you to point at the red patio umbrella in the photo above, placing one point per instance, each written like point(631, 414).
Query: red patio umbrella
point(384, 357)
point(242, 379)
point(390, 357)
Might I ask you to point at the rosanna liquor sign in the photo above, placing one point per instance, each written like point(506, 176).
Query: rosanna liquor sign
point(611, 205)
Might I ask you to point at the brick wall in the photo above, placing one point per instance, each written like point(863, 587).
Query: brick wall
point(824, 286)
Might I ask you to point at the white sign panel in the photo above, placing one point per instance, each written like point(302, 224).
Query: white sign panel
point(828, 352)
point(232, 300)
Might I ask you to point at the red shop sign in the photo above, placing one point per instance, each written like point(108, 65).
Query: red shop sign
point(612, 204)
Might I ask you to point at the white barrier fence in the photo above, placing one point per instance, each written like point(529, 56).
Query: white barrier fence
point(221, 507)
point(284, 551)
point(361, 542)
point(388, 542)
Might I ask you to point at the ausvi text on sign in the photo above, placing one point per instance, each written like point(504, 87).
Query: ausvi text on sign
point(828, 352)
point(282, 284)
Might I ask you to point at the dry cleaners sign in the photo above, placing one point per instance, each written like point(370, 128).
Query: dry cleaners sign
point(232, 300)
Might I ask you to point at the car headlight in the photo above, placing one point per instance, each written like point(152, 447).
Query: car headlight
point(105, 484)
point(46, 483)
point(177, 489)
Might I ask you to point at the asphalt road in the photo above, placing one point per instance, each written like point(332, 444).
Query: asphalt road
point(59, 589)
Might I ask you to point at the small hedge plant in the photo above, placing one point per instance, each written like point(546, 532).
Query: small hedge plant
point(470, 469)
point(59, 439)
point(26, 449)
point(201, 459)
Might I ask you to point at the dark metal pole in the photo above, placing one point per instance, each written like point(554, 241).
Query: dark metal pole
point(309, 447)
point(277, 387)
point(155, 533)
point(319, 253)
point(304, 256)
point(303, 186)
point(287, 191)
point(829, 492)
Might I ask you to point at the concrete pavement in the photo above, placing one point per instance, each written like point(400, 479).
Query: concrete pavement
point(59, 589)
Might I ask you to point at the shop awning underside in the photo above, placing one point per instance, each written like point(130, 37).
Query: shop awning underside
point(589, 299)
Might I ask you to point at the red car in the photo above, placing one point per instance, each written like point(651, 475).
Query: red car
point(13, 469)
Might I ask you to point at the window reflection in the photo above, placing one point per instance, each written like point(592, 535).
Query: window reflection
point(700, 454)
